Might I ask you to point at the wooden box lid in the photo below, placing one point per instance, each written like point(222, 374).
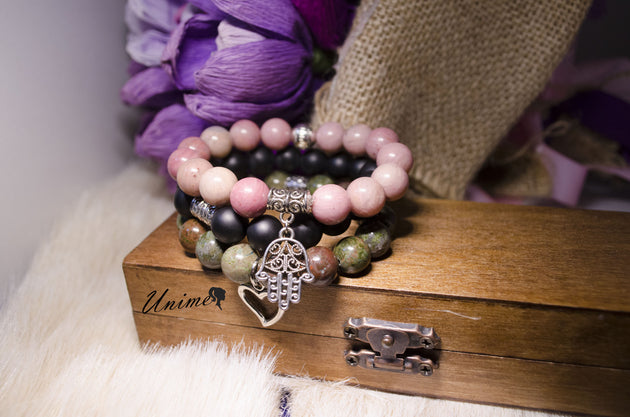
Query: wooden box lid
point(525, 300)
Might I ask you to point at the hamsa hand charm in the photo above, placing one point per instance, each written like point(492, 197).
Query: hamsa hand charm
point(283, 267)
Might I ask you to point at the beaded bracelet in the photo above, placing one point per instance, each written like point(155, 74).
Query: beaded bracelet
point(218, 200)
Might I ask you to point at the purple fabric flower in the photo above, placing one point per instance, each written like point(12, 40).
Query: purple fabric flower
point(219, 61)
point(242, 60)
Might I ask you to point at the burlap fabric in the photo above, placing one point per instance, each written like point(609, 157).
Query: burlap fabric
point(450, 76)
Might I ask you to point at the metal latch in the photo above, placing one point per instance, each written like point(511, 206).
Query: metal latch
point(390, 341)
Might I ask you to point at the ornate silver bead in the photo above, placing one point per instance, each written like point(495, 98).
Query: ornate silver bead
point(289, 201)
point(202, 210)
point(302, 136)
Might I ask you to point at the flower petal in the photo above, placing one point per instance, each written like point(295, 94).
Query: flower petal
point(230, 35)
point(188, 48)
point(156, 14)
point(147, 47)
point(256, 72)
point(217, 110)
point(167, 129)
point(135, 67)
point(275, 17)
point(208, 8)
point(151, 87)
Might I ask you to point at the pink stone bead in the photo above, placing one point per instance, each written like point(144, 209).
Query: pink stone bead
point(249, 197)
point(395, 153)
point(196, 144)
point(377, 139)
point(218, 140)
point(393, 179)
point(216, 184)
point(189, 174)
point(329, 137)
point(331, 204)
point(354, 139)
point(367, 197)
point(276, 133)
point(245, 135)
point(177, 158)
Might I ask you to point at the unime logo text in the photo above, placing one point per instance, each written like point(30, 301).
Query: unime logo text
point(164, 301)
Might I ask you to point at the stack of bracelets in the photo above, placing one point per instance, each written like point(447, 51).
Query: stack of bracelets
point(225, 178)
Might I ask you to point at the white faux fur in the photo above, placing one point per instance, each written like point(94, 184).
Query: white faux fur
point(68, 345)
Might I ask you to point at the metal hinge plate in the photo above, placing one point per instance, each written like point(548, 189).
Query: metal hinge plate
point(390, 342)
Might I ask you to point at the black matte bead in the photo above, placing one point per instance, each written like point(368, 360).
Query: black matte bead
point(307, 230)
point(261, 162)
point(237, 162)
point(314, 162)
point(355, 166)
point(367, 169)
point(261, 231)
point(338, 165)
point(227, 226)
point(337, 229)
point(181, 200)
point(288, 160)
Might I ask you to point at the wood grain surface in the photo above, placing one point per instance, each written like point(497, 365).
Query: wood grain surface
point(462, 376)
point(513, 330)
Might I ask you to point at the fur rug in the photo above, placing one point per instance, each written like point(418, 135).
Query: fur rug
point(69, 346)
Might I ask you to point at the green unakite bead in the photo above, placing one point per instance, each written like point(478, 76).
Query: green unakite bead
point(276, 179)
point(189, 234)
point(209, 251)
point(237, 262)
point(317, 181)
point(377, 237)
point(322, 264)
point(353, 254)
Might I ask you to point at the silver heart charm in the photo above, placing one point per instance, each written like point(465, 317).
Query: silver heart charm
point(249, 296)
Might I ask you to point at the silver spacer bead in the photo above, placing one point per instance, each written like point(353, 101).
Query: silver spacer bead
point(203, 211)
point(289, 201)
point(302, 136)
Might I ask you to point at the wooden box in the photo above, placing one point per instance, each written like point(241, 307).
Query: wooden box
point(530, 304)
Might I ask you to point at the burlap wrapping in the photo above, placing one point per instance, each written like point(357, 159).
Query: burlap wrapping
point(450, 76)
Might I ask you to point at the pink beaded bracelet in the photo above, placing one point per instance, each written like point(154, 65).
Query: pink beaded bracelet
point(364, 196)
point(250, 197)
